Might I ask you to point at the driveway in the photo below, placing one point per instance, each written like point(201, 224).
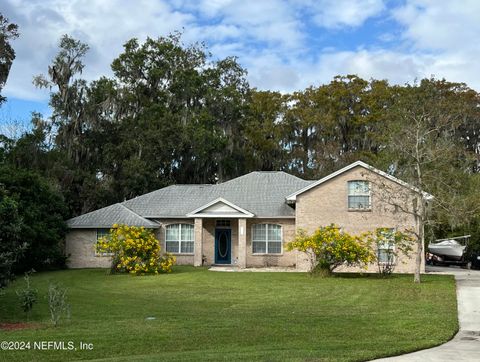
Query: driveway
point(465, 346)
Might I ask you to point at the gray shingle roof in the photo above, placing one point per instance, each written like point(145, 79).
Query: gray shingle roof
point(107, 216)
point(261, 193)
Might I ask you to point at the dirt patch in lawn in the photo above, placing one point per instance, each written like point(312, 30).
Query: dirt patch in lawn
point(18, 326)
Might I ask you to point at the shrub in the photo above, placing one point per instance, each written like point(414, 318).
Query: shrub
point(135, 250)
point(11, 247)
point(329, 247)
point(42, 210)
point(57, 303)
point(27, 296)
point(391, 244)
point(166, 262)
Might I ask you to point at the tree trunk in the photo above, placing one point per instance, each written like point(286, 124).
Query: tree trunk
point(419, 207)
point(418, 261)
point(420, 221)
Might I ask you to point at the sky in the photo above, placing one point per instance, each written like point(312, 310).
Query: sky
point(285, 45)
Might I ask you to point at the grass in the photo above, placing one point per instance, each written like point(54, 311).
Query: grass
point(204, 315)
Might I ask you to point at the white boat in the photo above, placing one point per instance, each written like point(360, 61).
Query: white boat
point(448, 248)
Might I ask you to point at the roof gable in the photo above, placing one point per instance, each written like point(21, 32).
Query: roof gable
point(293, 196)
point(220, 208)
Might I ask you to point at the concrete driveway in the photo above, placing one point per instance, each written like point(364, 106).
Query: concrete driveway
point(465, 346)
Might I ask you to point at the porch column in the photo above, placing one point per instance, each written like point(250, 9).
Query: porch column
point(198, 230)
point(242, 243)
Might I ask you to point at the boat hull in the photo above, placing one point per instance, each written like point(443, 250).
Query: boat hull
point(447, 251)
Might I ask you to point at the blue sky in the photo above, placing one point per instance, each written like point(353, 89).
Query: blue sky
point(285, 45)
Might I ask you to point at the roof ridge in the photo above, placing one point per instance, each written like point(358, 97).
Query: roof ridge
point(148, 193)
point(191, 185)
point(89, 212)
point(109, 215)
point(267, 171)
point(253, 172)
point(133, 212)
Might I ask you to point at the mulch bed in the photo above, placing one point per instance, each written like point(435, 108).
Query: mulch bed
point(17, 326)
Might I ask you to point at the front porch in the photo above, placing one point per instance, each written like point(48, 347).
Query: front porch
point(220, 241)
point(226, 235)
point(220, 234)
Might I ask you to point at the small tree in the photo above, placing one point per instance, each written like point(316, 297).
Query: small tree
point(57, 303)
point(390, 245)
point(135, 250)
point(329, 247)
point(424, 147)
point(27, 296)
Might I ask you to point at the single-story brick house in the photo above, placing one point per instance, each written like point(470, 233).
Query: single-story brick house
point(247, 221)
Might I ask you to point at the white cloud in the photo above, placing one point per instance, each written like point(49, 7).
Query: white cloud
point(271, 21)
point(104, 25)
point(338, 13)
point(440, 25)
point(397, 68)
point(277, 41)
point(268, 70)
point(448, 31)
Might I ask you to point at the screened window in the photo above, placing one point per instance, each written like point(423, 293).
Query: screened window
point(266, 239)
point(359, 195)
point(386, 248)
point(100, 234)
point(179, 238)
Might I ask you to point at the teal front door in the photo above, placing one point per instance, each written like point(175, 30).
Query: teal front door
point(223, 246)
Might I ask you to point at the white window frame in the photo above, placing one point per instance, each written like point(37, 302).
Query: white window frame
point(96, 242)
point(266, 240)
point(384, 246)
point(180, 238)
point(369, 194)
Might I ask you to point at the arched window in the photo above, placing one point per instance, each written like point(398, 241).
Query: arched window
point(179, 238)
point(266, 239)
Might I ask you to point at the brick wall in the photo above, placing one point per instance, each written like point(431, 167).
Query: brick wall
point(286, 259)
point(327, 204)
point(80, 244)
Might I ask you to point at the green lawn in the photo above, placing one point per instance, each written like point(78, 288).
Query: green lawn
point(204, 315)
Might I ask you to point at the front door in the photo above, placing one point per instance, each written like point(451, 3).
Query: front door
point(223, 246)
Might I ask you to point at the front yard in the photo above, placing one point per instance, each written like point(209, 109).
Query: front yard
point(204, 315)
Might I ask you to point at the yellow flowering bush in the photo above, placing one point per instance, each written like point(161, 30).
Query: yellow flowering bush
point(135, 250)
point(329, 247)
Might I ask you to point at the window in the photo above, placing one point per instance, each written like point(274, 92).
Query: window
point(100, 234)
point(179, 238)
point(358, 195)
point(266, 239)
point(386, 248)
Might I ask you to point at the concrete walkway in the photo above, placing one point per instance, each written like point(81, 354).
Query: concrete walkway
point(234, 268)
point(465, 346)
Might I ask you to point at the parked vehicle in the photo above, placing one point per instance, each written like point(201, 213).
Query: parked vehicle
point(451, 251)
point(475, 259)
